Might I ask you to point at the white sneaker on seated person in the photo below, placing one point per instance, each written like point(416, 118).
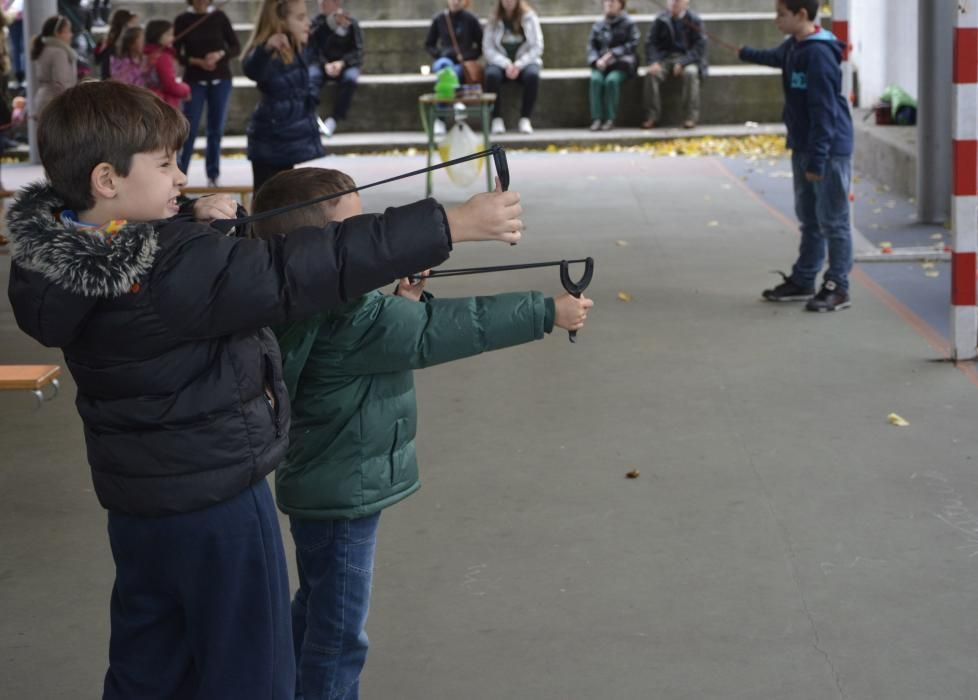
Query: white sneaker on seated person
point(525, 127)
point(438, 128)
point(498, 126)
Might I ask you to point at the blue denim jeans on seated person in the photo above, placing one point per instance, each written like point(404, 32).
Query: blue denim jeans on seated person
point(335, 559)
point(823, 210)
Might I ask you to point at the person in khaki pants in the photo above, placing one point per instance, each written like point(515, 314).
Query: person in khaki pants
point(675, 48)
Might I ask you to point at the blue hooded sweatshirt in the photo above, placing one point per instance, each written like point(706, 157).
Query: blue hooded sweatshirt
point(815, 112)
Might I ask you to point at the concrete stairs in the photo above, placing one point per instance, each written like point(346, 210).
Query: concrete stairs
point(394, 33)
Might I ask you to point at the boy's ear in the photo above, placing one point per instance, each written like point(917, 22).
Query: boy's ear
point(104, 181)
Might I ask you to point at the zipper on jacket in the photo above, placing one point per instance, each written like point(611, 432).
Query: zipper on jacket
point(269, 395)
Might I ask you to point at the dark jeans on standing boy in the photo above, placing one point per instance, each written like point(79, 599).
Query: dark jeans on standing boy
point(200, 606)
point(823, 209)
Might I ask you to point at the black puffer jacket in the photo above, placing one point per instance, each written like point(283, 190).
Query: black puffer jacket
point(283, 129)
point(162, 330)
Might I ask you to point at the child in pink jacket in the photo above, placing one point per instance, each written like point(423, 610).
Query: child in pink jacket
point(161, 62)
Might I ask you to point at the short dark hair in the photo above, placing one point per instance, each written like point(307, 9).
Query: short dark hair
point(809, 6)
point(156, 28)
point(292, 187)
point(102, 122)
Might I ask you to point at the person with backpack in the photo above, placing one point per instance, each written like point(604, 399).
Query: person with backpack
point(121, 20)
point(128, 65)
point(161, 64)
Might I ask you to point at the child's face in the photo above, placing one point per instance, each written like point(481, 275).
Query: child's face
point(456, 5)
point(788, 22)
point(167, 38)
point(66, 34)
point(151, 189)
point(297, 22)
point(612, 8)
point(346, 206)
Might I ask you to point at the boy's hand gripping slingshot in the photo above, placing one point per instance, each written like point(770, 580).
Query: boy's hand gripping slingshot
point(574, 288)
point(498, 154)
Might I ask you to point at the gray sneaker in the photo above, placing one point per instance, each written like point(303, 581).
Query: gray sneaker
point(788, 291)
point(829, 298)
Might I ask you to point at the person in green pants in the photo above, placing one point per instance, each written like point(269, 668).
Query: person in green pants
point(612, 54)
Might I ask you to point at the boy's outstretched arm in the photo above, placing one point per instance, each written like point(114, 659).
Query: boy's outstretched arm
point(401, 334)
point(765, 57)
point(205, 285)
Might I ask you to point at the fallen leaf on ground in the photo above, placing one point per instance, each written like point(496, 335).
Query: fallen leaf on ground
point(927, 265)
point(624, 296)
point(932, 273)
point(633, 474)
point(936, 236)
point(713, 224)
point(898, 421)
point(621, 244)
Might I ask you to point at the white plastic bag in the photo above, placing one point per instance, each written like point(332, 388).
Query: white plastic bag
point(458, 142)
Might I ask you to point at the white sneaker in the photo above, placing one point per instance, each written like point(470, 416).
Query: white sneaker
point(439, 127)
point(525, 127)
point(498, 126)
point(328, 127)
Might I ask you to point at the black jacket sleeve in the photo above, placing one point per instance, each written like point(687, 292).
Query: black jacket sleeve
point(206, 285)
point(431, 41)
point(354, 57)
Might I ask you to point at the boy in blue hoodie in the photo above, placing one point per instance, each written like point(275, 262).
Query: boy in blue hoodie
point(820, 137)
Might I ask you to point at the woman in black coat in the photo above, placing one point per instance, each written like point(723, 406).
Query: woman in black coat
point(283, 129)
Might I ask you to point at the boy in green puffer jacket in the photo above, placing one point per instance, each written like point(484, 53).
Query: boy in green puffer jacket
point(354, 419)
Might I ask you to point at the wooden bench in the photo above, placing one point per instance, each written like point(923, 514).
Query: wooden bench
point(243, 192)
point(32, 378)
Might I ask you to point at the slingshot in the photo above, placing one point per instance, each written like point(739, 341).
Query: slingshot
point(574, 288)
point(498, 154)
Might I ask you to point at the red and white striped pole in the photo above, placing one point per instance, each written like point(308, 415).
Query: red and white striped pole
point(964, 206)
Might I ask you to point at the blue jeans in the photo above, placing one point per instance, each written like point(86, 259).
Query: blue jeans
point(344, 92)
point(200, 605)
point(17, 56)
point(823, 210)
point(446, 62)
point(335, 559)
point(216, 94)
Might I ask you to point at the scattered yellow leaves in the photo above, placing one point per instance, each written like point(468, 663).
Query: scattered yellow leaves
point(898, 421)
point(624, 296)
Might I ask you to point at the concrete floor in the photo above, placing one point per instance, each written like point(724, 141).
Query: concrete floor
point(782, 542)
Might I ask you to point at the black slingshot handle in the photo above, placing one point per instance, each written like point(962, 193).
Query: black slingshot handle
point(576, 288)
point(502, 169)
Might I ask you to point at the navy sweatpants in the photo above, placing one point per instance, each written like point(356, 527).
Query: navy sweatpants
point(200, 607)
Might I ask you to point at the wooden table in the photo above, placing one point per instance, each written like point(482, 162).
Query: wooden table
point(431, 107)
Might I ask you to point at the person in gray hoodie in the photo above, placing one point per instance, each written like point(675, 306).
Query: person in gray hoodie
point(513, 46)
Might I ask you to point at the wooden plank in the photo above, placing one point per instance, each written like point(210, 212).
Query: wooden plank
point(27, 377)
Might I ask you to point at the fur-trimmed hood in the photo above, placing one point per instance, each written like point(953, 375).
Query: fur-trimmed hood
point(73, 268)
point(91, 263)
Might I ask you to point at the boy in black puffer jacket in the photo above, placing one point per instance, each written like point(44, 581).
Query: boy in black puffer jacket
point(180, 389)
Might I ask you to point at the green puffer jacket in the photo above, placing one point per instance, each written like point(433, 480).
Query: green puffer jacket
point(351, 448)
